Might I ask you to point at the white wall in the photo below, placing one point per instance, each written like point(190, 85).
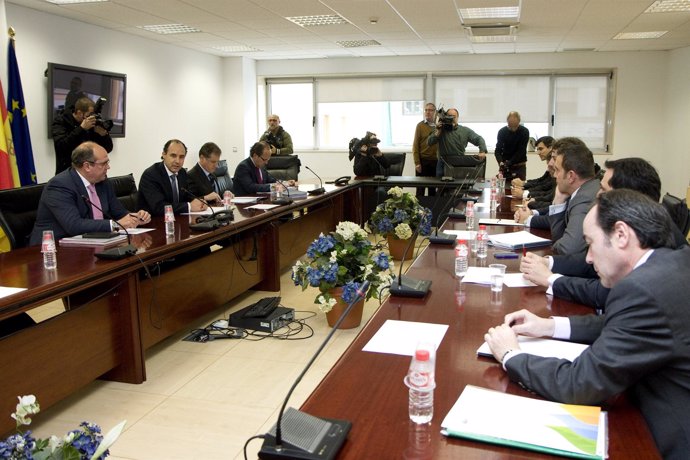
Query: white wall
point(171, 91)
point(675, 155)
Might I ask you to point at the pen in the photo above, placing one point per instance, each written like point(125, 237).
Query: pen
point(136, 217)
point(524, 251)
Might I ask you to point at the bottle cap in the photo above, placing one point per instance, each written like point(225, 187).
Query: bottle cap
point(421, 355)
point(482, 227)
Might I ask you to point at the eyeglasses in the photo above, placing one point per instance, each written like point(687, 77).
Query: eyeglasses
point(265, 160)
point(100, 163)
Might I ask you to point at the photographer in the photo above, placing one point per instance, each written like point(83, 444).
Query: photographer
point(275, 136)
point(369, 160)
point(72, 129)
point(452, 139)
point(511, 148)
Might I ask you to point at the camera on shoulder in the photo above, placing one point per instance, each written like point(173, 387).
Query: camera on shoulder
point(447, 121)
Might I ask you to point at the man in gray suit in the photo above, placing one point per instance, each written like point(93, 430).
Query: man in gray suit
point(640, 344)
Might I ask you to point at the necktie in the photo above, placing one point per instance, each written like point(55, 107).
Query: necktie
point(567, 205)
point(259, 177)
point(95, 202)
point(214, 183)
point(176, 193)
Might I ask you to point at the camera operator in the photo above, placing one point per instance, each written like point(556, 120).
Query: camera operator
point(511, 148)
point(275, 136)
point(369, 160)
point(71, 129)
point(452, 139)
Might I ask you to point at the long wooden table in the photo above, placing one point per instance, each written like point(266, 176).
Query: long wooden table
point(368, 390)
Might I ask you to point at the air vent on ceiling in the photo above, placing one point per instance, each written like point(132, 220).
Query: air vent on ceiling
point(491, 30)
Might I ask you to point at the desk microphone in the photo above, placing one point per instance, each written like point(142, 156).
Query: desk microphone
point(445, 238)
point(379, 177)
point(407, 286)
point(281, 200)
point(119, 252)
point(212, 222)
point(446, 178)
point(325, 436)
point(316, 191)
point(460, 214)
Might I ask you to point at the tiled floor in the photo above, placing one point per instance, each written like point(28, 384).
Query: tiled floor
point(204, 400)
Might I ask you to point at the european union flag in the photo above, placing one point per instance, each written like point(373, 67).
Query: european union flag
point(18, 121)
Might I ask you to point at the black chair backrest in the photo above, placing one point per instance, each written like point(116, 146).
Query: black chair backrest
point(125, 190)
point(223, 177)
point(396, 163)
point(18, 209)
point(463, 166)
point(678, 209)
point(284, 167)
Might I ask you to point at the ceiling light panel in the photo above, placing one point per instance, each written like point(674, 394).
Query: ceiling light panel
point(669, 6)
point(639, 35)
point(168, 29)
point(319, 20)
point(236, 49)
point(358, 43)
point(71, 2)
point(493, 39)
point(506, 12)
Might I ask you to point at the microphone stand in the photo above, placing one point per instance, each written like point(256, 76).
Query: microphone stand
point(316, 191)
point(382, 177)
point(445, 238)
point(460, 214)
point(211, 222)
point(119, 252)
point(282, 200)
point(276, 447)
point(446, 178)
point(410, 287)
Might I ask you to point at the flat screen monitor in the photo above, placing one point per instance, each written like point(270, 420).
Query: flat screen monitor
point(67, 83)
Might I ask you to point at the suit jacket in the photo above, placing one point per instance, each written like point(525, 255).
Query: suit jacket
point(155, 190)
point(566, 226)
point(641, 343)
point(198, 181)
point(246, 180)
point(63, 209)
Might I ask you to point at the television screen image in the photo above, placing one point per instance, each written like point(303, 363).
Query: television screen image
point(67, 83)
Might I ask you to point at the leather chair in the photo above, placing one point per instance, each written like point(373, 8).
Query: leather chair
point(223, 178)
point(18, 209)
point(125, 191)
point(284, 167)
point(678, 209)
point(464, 166)
point(396, 163)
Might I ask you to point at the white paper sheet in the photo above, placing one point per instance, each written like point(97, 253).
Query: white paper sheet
point(478, 275)
point(547, 348)
point(5, 291)
point(401, 337)
point(263, 207)
point(509, 222)
point(459, 234)
point(136, 231)
point(516, 280)
point(245, 199)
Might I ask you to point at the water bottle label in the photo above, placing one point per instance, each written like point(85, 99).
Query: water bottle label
point(420, 379)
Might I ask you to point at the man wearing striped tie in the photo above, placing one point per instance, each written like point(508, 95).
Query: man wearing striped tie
point(202, 179)
point(251, 176)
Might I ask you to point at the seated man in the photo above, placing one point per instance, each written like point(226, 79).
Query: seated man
point(543, 186)
point(166, 183)
point(584, 287)
point(279, 140)
point(369, 160)
point(80, 199)
point(202, 180)
point(251, 176)
point(642, 342)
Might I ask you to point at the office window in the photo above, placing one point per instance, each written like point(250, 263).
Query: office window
point(580, 109)
point(294, 104)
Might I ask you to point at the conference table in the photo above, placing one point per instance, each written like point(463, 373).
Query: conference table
point(367, 388)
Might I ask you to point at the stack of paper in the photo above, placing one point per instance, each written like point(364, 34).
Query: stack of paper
point(79, 240)
point(517, 240)
point(525, 423)
point(547, 348)
point(509, 222)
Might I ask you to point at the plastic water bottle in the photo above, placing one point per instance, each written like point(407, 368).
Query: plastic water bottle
point(469, 215)
point(493, 202)
point(169, 220)
point(482, 242)
point(49, 250)
point(461, 257)
point(227, 200)
point(421, 382)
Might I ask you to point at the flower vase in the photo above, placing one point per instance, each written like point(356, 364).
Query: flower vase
point(396, 247)
point(353, 319)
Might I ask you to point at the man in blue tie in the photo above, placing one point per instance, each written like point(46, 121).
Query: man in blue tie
point(202, 179)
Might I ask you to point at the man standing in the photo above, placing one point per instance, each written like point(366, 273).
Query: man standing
point(202, 180)
point(80, 199)
point(166, 183)
point(425, 155)
point(251, 176)
point(641, 343)
point(279, 139)
point(72, 127)
point(511, 148)
point(452, 141)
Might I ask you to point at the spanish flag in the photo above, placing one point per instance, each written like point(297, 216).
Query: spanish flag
point(9, 175)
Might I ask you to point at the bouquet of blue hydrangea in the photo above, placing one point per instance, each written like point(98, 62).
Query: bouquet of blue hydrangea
point(343, 258)
point(400, 215)
point(87, 442)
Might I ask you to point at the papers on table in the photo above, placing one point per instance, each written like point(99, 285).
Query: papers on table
point(526, 423)
point(460, 234)
point(509, 222)
point(547, 348)
point(205, 212)
point(246, 199)
point(516, 280)
point(402, 337)
point(5, 291)
point(79, 240)
point(263, 207)
point(478, 275)
point(135, 231)
point(517, 240)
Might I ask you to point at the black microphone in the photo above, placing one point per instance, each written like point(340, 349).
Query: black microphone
point(282, 200)
point(316, 191)
point(407, 286)
point(466, 197)
point(212, 222)
point(119, 252)
point(327, 436)
point(382, 176)
point(445, 238)
point(446, 178)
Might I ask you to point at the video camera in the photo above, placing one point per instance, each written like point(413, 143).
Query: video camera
point(100, 121)
point(369, 140)
point(447, 121)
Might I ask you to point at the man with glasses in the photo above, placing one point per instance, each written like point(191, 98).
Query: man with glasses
point(251, 176)
point(425, 155)
point(72, 127)
point(276, 137)
point(81, 200)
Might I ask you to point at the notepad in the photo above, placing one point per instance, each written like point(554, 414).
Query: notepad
point(79, 240)
point(509, 222)
point(547, 348)
point(517, 240)
point(494, 417)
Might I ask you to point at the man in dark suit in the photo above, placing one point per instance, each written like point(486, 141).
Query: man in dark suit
point(202, 179)
point(166, 183)
point(251, 176)
point(69, 204)
point(640, 344)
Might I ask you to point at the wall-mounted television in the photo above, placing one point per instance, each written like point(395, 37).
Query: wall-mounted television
point(67, 83)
